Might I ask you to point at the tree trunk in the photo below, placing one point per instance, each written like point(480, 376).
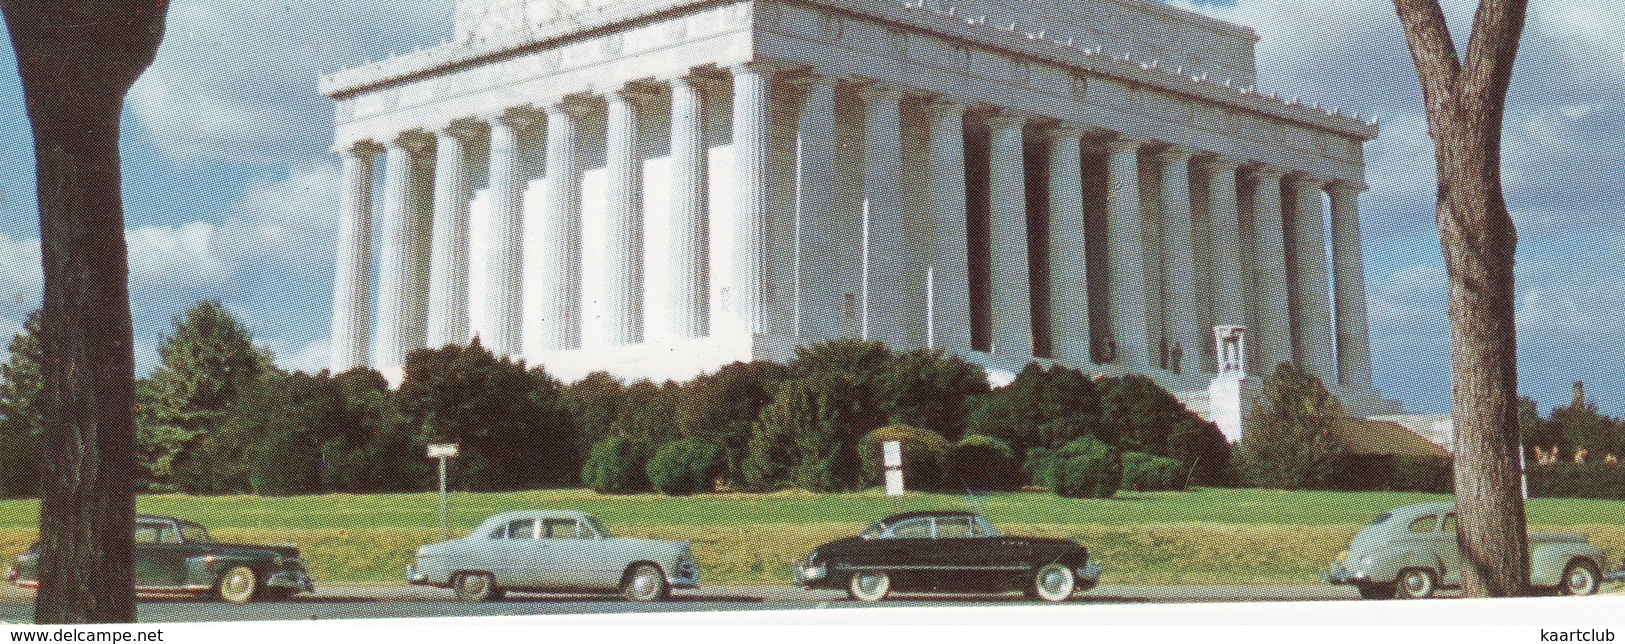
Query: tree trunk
point(1465, 102)
point(77, 60)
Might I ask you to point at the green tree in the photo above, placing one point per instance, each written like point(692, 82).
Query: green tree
point(1084, 468)
point(931, 389)
point(1144, 417)
point(206, 364)
point(981, 463)
point(684, 467)
point(1040, 408)
point(1289, 442)
point(22, 412)
point(513, 428)
point(719, 408)
point(618, 465)
point(594, 403)
point(923, 455)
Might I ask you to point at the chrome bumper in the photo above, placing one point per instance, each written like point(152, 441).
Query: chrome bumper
point(1088, 576)
point(1617, 574)
point(416, 578)
point(808, 574)
point(1341, 575)
point(295, 580)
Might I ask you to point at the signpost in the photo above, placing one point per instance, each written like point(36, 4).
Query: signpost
point(443, 451)
point(892, 451)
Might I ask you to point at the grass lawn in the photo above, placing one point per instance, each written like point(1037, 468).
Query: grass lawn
point(1201, 536)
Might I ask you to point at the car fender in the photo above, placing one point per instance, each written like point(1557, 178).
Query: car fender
point(1387, 562)
point(1547, 560)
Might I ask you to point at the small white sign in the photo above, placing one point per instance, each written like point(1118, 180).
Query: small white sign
point(893, 453)
point(894, 482)
point(442, 450)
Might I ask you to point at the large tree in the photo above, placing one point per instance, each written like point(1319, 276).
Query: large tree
point(1465, 97)
point(22, 412)
point(77, 60)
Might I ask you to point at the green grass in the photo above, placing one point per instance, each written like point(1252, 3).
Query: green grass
point(1202, 536)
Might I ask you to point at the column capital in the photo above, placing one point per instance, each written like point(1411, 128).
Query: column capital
point(638, 94)
point(875, 91)
point(1065, 132)
point(940, 107)
point(1302, 181)
point(762, 67)
point(1217, 163)
point(1347, 187)
point(1263, 172)
point(999, 120)
point(519, 118)
point(573, 105)
point(365, 148)
point(463, 128)
point(411, 141)
point(1175, 154)
point(1122, 145)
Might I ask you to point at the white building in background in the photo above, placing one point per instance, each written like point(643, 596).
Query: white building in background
point(659, 187)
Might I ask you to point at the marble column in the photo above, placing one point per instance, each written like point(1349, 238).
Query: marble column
point(948, 276)
point(1348, 263)
point(448, 264)
point(823, 299)
point(1125, 257)
point(1069, 275)
point(560, 325)
point(1184, 330)
point(1010, 296)
point(751, 216)
point(402, 293)
point(1274, 328)
point(690, 257)
point(1314, 311)
point(1229, 294)
point(352, 289)
point(886, 303)
point(623, 225)
point(505, 249)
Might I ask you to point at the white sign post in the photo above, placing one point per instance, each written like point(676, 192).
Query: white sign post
point(443, 451)
point(893, 459)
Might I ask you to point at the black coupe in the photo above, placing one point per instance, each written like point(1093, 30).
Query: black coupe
point(947, 551)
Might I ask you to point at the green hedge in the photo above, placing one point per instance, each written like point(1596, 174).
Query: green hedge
point(1386, 472)
point(1570, 481)
point(616, 466)
point(981, 463)
point(685, 467)
point(923, 454)
point(1084, 468)
point(1147, 472)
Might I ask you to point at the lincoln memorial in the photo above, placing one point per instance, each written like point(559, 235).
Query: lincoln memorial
point(656, 188)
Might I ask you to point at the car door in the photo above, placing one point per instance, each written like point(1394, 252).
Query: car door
point(572, 556)
point(962, 555)
point(160, 557)
point(510, 554)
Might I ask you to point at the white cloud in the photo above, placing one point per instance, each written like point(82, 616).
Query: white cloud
point(237, 81)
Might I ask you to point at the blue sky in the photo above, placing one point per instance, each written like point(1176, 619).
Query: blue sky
point(231, 192)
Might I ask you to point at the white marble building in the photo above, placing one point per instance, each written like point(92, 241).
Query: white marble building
point(659, 187)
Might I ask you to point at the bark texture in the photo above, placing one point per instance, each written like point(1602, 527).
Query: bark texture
point(77, 59)
point(1465, 99)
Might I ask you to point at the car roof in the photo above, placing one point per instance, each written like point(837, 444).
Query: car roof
point(1420, 509)
point(926, 513)
point(515, 515)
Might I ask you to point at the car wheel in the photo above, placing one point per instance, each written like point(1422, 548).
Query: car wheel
point(1376, 591)
point(475, 587)
point(645, 583)
point(1054, 583)
point(238, 585)
point(1416, 583)
point(1580, 578)
point(869, 586)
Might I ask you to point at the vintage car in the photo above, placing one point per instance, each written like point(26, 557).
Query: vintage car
point(947, 551)
point(175, 556)
point(553, 551)
point(1410, 552)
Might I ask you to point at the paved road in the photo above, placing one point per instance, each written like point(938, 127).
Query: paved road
point(360, 602)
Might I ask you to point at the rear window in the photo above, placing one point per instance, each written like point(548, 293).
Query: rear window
point(1381, 517)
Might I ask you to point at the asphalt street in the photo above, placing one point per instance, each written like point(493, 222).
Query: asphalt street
point(363, 602)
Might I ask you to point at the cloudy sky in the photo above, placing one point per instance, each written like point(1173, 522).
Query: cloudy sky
point(231, 192)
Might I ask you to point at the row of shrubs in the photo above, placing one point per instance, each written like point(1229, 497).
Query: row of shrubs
point(1084, 468)
point(1435, 474)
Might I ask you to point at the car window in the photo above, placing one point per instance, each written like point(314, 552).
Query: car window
point(1380, 518)
point(1426, 523)
point(1450, 523)
point(563, 529)
point(913, 529)
point(956, 528)
point(194, 533)
point(147, 532)
point(522, 529)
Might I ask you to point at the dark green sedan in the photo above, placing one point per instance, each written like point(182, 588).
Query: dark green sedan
point(178, 557)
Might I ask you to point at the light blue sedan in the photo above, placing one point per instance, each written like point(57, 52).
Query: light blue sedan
point(553, 551)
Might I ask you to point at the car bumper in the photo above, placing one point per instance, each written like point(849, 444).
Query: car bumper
point(295, 580)
point(1342, 575)
point(1088, 575)
point(810, 575)
point(1617, 574)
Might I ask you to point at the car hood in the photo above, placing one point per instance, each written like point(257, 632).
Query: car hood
point(245, 549)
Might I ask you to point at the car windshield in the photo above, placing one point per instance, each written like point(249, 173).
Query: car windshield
point(194, 533)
